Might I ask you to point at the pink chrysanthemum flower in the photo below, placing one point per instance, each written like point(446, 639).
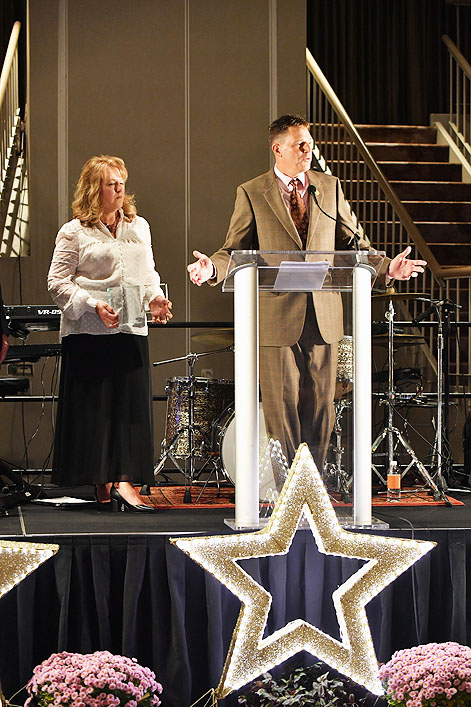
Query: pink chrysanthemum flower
point(94, 680)
point(431, 675)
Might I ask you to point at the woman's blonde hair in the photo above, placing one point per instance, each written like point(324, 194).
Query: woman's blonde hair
point(86, 205)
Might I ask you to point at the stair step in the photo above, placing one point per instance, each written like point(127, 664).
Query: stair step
point(404, 152)
point(432, 211)
point(452, 211)
point(392, 152)
point(452, 255)
point(449, 234)
point(428, 171)
point(398, 133)
point(424, 190)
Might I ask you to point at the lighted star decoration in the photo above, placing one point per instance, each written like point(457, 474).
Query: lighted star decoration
point(386, 558)
point(18, 560)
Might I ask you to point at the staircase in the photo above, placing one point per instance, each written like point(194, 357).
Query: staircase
point(428, 185)
point(431, 189)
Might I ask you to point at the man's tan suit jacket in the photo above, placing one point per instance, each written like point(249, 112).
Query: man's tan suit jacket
point(261, 221)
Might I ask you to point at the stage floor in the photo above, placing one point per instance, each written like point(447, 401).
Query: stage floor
point(37, 519)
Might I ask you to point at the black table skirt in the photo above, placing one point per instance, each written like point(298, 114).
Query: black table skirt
point(140, 596)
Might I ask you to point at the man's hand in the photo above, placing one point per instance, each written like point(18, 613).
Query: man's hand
point(107, 314)
point(4, 349)
point(160, 308)
point(400, 268)
point(202, 270)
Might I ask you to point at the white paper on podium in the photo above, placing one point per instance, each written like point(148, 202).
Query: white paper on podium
point(300, 276)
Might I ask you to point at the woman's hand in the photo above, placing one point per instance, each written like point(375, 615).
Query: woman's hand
point(161, 310)
point(107, 314)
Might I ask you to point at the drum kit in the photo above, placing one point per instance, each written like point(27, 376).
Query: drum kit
point(200, 426)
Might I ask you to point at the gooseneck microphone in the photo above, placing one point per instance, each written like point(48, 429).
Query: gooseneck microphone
point(313, 191)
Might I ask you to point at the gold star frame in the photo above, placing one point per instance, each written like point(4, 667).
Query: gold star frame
point(249, 653)
point(18, 560)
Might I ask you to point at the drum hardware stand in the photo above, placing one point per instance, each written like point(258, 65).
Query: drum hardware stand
point(391, 432)
point(342, 479)
point(218, 471)
point(167, 451)
point(443, 464)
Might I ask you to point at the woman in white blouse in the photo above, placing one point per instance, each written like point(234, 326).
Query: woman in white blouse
point(103, 278)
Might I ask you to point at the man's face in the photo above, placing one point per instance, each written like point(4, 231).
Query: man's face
point(293, 151)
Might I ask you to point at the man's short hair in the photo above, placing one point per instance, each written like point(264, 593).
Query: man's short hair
point(284, 123)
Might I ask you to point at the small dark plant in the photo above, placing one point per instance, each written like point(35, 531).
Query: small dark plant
point(314, 686)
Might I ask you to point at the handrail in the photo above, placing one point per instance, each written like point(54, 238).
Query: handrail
point(459, 113)
point(9, 58)
point(389, 192)
point(14, 235)
point(455, 52)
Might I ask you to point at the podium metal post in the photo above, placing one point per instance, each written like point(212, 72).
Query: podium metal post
point(362, 394)
point(246, 395)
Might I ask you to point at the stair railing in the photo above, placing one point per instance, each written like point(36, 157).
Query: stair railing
point(383, 217)
point(459, 106)
point(14, 211)
point(9, 103)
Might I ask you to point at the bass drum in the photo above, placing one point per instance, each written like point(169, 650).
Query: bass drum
point(224, 445)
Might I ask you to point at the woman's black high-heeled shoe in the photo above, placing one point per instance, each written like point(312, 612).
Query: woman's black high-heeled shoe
point(121, 504)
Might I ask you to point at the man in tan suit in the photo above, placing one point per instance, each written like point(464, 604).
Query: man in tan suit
point(298, 332)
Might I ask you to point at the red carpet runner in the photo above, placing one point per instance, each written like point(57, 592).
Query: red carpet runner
point(172, 497)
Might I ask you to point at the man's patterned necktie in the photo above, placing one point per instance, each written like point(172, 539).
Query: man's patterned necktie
point(298, 211)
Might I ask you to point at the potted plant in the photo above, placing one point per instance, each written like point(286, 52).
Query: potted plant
point(431, 675)
point(314, 686)
point(92, 680)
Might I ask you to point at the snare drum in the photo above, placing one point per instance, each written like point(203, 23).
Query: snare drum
point(344, 378)
point(212, 397)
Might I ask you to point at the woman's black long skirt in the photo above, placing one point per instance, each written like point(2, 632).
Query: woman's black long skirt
point(104, 427)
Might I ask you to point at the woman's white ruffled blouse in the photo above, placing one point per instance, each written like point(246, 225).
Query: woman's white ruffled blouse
point(88, 260)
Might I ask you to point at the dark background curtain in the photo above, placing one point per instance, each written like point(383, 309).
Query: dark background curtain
point(385, 58)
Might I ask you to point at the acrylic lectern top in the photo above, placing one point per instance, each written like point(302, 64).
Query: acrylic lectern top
point(303, 271)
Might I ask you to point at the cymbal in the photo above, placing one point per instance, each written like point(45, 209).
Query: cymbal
point(214, 337)
point(399, 340)
point(401, 295)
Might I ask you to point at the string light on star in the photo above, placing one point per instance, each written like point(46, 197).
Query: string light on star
point(18, 560)
point(249, 653)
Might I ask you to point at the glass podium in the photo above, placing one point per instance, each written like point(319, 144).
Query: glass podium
point(252, 272)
